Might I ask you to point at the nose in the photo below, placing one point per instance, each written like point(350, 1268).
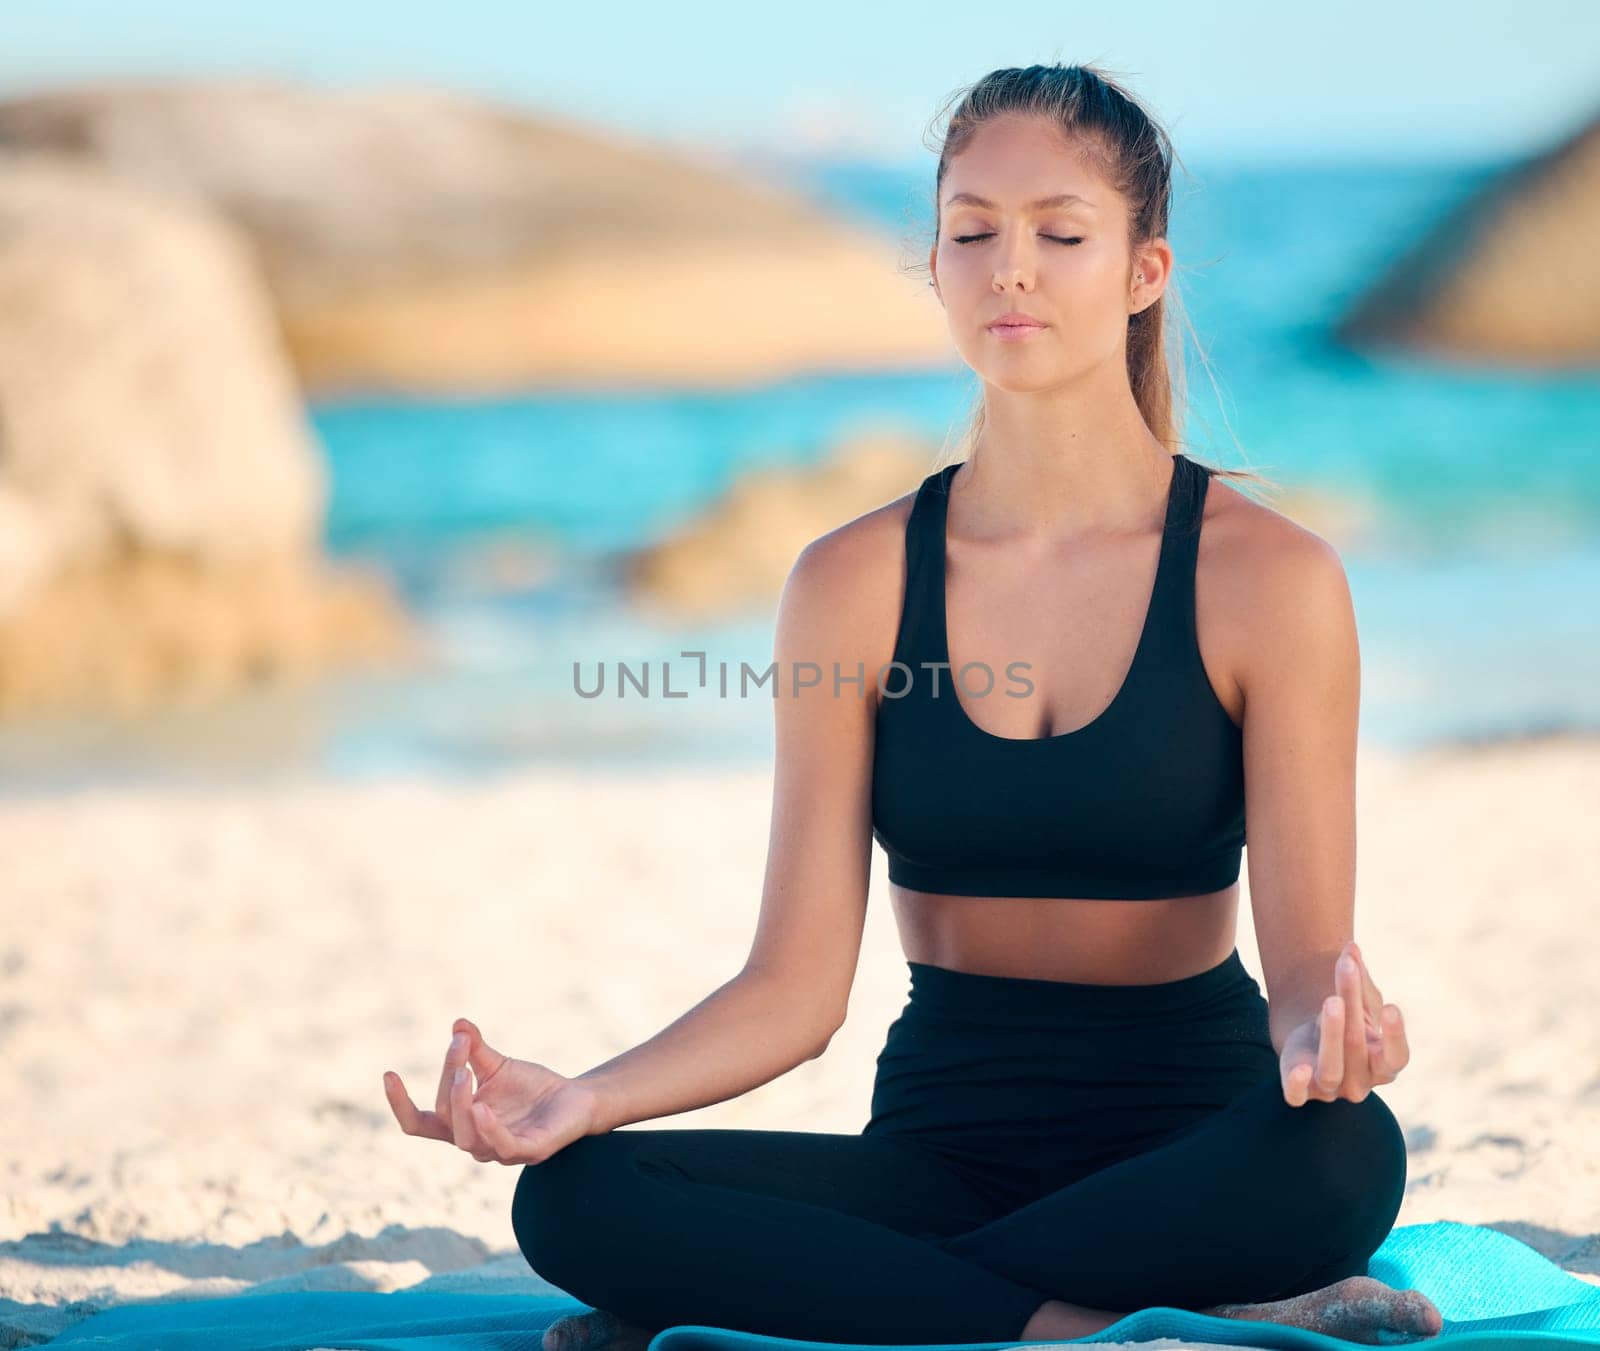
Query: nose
point(1014, 266)
point(1005, 279)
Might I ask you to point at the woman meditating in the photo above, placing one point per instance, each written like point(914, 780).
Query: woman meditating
point(1086, 666)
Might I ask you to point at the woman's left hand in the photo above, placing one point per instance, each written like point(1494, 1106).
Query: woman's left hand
point(1355, 1042)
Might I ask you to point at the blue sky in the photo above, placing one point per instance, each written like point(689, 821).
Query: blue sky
point(1249, 80)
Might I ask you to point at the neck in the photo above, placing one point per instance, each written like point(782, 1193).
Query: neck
point(1064, 463)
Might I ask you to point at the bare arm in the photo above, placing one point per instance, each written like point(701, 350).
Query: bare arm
point(1301, 700)
point(737, 1038)
point(784, 1006)
point(1334, 1035)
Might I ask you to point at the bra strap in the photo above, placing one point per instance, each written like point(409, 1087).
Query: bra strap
point(1180, 545)
point(924, 594)
point(1186, 507)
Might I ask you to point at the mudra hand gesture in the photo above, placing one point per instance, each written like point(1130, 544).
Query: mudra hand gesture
point(521, 1113)
point(1355, 1042)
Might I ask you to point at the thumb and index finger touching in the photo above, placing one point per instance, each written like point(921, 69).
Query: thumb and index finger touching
point(483, 1058)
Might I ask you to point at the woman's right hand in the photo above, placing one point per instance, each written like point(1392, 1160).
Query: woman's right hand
point(521, 1113)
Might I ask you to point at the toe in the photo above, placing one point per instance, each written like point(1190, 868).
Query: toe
point(1426, 1316)
point(565, 1334)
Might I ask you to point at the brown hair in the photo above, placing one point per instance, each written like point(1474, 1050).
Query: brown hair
point(1134, 154)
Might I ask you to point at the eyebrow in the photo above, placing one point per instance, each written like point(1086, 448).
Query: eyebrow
point(1040, 204)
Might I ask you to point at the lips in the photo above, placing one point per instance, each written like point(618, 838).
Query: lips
point(1016, 319)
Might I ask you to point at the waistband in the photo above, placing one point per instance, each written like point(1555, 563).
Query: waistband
point(938, 988)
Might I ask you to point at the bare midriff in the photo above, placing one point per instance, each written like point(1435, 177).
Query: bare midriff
point(1087, 941)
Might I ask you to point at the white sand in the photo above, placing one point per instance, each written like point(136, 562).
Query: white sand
point(199, 993)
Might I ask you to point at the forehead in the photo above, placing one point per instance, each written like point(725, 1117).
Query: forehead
point(1024, 164)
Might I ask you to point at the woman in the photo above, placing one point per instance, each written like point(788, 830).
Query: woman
point(1087, 1105)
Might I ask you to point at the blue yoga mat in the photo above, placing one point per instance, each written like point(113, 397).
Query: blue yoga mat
point(1493, 1291)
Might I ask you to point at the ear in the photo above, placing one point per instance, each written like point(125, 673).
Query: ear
point(933, 269)
point(1152, 267)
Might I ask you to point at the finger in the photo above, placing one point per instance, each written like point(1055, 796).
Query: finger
point(485, 1060)
point(461, 1110)
point(1357, 1081)
point(1379, 1052)
point(1330, 1049)
point(1394, 1051)
point(1297, 1079)
point(454, 1059)
point(1367, 977)
point(508, 1148)
point(412, 1121)
point(1371, 995)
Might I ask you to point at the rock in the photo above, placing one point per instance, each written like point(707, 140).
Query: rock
point(127, 636)
point(737, 555)
point(1510, 275)
point(420, 240)
point(161, 497)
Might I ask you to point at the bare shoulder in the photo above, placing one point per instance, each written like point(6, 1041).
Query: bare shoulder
point(843, 595)
point(1265, 587)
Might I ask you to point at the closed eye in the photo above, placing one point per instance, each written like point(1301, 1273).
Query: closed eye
point(968, 239)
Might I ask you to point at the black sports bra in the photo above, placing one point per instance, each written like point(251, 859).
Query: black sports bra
point(1145, 801)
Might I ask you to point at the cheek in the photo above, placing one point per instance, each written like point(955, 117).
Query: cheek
point(1090, 292)
point(959, 268)
point(1088, 271)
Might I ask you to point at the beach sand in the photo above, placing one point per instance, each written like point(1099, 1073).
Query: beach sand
point(200, 991)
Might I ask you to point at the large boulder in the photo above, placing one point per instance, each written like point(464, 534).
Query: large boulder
point(1510, 275)
point(161, 498)
point(419, 240)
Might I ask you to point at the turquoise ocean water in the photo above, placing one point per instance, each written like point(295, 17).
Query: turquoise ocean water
point(1476, 580)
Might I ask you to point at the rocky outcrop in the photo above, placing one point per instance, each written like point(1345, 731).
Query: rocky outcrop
point(1510, 275)
point(161, 499)
point(418, 240)
point(736, 555)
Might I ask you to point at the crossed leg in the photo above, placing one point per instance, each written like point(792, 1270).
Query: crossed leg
point(798, 1234)
point(878, 1239)
point(1257, 1201)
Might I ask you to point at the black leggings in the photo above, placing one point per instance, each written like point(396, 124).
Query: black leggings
point(1115, 1146)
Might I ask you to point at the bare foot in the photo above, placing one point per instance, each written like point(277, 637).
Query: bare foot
point(595, 1330)
point(1358, 1308)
